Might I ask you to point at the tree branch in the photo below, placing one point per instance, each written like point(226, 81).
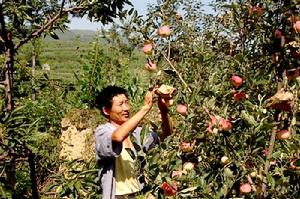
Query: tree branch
point(267, 164)
point(3, 28)
point(3, 156)
point(38, 32)
point(12, 152)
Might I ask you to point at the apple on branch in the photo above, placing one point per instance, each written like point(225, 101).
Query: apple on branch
point(164, 31)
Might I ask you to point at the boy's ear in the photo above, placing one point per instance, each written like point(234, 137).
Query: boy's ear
point(105, 111)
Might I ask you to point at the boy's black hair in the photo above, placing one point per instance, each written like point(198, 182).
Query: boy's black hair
point(104, 98)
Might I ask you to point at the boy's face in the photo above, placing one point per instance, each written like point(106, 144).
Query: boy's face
point(119, 112)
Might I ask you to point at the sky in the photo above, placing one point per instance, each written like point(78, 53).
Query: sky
point(84, 24)
point(139, 5)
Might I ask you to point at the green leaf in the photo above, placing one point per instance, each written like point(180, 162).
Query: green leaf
point(271, 180)
point(78, 185)
point(294, 121)
point(136, 146)
point(131, 153)
point(200, 58)
point(89, 171)
point(130, 11)
point(248, 118)
point(169, 180)
point(144, 134)
point(53, 35)
point(228, 172)
point(189, 189)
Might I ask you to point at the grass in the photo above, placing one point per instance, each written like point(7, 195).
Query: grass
point(64, 56)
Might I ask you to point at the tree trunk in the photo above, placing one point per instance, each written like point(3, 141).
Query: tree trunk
point(33, 61)
point(11, 167)
point(9, 63)
point(10, 170)
point(35, 193)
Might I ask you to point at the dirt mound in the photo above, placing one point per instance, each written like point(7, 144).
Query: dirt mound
point(77, 139)
point(77, 144)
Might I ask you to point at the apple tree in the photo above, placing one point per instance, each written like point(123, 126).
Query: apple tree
point(236, 70)
point(20, 23)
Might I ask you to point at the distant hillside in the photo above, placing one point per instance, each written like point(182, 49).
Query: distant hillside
point(65, 56)
point(71, 35)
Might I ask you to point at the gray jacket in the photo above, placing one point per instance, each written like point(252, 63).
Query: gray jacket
point(107, 151)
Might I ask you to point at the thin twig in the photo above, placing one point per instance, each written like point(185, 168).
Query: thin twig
point(49, 193)
point(267, 164)
point(169, 48)
point(180, 77)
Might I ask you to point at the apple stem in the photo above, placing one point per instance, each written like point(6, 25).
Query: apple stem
point(181, 79)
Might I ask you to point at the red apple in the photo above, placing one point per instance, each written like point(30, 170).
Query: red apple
point(215, 119)
point(147, 49)
point(225, 124)
point(182, 109)
point(168, 189)
point(150, 66)
point(283, 134)
point(277, 34)
point(297, 26)
point(245, 188)
point(236, 80)
point(164, 31)
point(239, 96)
point(218, 123)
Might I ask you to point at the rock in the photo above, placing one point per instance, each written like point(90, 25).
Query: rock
point(65, 123)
